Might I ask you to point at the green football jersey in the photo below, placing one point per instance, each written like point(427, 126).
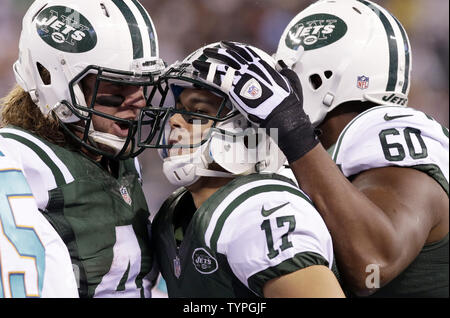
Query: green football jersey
point(254, 229)
point(102, 219)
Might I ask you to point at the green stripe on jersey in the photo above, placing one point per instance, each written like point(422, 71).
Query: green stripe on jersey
point(435, 172)
point(243, 197)
point(57, 174)
point(341, 136)
point(299, 261)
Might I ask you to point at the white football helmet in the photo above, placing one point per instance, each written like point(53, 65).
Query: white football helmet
point(233, 143)
point(347, 50)
point(114, 39)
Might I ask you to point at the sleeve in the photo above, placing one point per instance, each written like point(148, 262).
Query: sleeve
point(273, 234)
point(394, 136)
point(34, 260)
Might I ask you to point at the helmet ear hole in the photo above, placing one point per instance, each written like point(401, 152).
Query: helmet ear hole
point(44, 74)
point(315, 80)
point(328, 74)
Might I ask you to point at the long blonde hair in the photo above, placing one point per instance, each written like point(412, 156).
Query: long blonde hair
point(18, 109)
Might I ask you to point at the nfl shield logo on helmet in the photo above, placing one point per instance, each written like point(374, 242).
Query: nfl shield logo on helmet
point(363, 82)
point(126, 197)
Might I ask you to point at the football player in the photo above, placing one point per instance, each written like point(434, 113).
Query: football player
point(34, 261)
point(385, 196)
point(234, 228)
point(84, 71)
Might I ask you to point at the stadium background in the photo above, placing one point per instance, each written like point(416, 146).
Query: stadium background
point(185, 25)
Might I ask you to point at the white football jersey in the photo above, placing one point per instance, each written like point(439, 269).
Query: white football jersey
point(271, 222)
point(34, 261)
point(394, 136)
point(255, 228)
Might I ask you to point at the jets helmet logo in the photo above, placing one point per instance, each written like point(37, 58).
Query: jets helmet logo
point(315, 31)
point(66, 30)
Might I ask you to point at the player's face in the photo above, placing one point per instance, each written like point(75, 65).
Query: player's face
point(189, 129)
point(122, 101)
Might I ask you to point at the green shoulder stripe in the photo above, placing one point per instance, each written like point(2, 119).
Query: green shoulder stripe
point(59, 177)
point(299, 261)
point(243, 197)
point(341, 136)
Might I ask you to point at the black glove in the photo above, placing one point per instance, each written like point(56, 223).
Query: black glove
point(267, 98)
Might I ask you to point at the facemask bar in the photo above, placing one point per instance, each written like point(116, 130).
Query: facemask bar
point(159, 116)
point(86, 112)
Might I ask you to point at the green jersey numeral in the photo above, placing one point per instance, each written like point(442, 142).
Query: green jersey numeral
point(285, 243)
point(395, 151)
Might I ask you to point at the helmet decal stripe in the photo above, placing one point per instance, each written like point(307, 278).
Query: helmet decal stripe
point(407, 55)
point(151, 31)
point(136, 36)
point(393, 50)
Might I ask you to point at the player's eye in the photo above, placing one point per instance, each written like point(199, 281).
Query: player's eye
point(110, 100)
point(194, 120)
point(179, 106)
point(201, 111)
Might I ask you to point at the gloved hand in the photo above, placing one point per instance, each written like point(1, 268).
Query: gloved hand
point(266, 97)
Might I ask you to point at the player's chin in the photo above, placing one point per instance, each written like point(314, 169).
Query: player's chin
point(114, 152)
point(173, 152)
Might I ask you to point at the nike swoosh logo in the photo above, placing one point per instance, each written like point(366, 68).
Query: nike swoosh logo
point(388, 118)
point(265, 212)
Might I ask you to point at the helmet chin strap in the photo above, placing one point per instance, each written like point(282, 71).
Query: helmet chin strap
point(112, 141)
point(185, 170)
point(212, 173)
point(97, 137)
point(291, 60)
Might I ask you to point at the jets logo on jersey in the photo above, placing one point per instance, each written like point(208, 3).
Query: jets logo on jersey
point(125, 195)
point(316, 31)
point(66, 30)
point(204, 262)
